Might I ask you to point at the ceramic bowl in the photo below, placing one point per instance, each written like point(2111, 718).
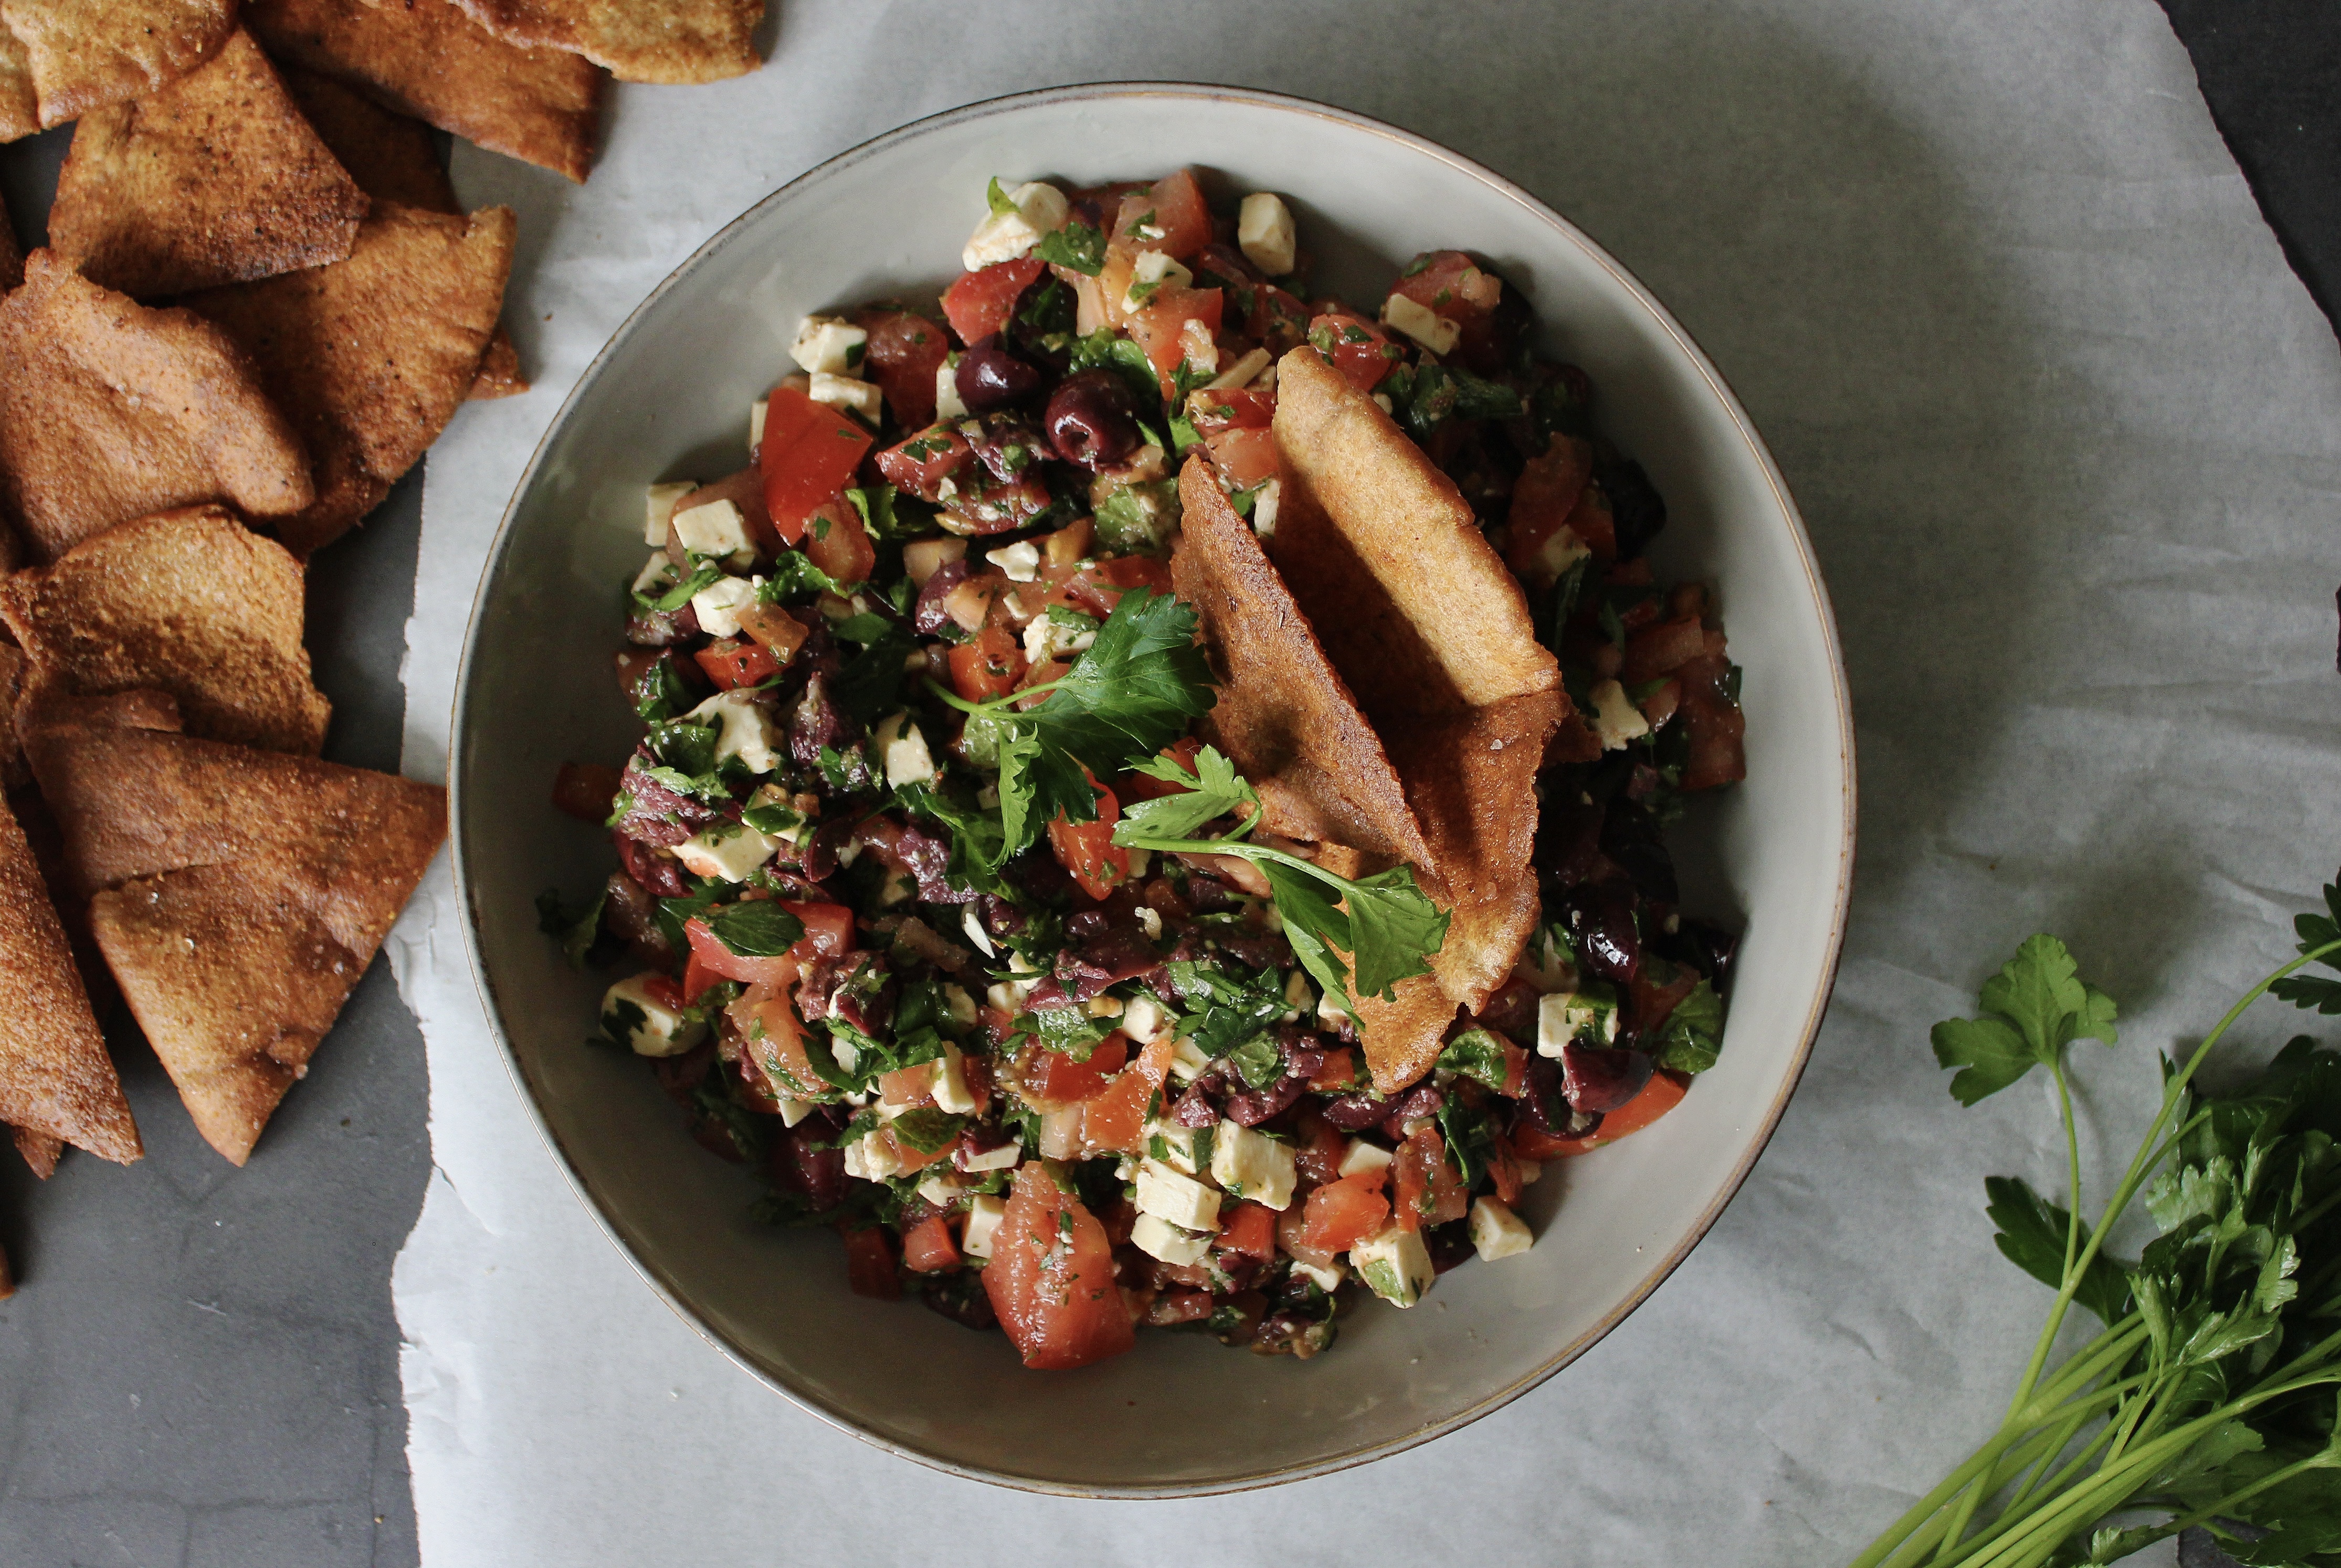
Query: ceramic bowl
point(669, 397)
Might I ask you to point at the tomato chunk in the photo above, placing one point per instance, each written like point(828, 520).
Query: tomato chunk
point(1169, 215)
point(1357, 348)
point(1543, 496)
point(977, 304)
point(1243, 455)
point(708, 952)
point(774, 1035)
point(919, 465)
point(987, 665)
point(1087, 849)
point(1115, 1117)
point(1146, 787)
point(1250, 1229)
point(1429, 1192)
point(928, 1246)
point(828, 930)
point(733, 664)
point(1341, 1214)
point(903, 354)
point(1052, 1079)
point(870, 1262)
point(1161, 327)
point(1662, 1094)
point(836, 543)
point(809, 456)
point(1050, 1278)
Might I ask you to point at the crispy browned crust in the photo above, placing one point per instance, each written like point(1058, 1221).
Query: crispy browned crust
point(214, 179)
point(41, 831)
point(189, 602)
point(371, 356)
point(12, 260)
point(388, 155)
point(426, 59)
point(111, 410)
point(56, 1078)
point(14, 774)
point(83, 54)
point(1283, 714)
point(20, 108)
point(38, 1150)
point(499, 375)
point(674, 41)
point(238, 896)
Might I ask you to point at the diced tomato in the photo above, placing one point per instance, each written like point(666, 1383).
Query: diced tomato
point(1451, 284)
point(1360, 350)
point(1243, 455)
point(1249, 1228)
point(1662, 1094)
point(662, 989)
point(1134, 786)
point(986, 503)
point(1279, 320)
point(1048, 672)
point(809, 456)
point(836, 543)
point(1337, 1074)
point(908, 1157)
point(1657, 986)
point(1543, 496)
point(1592, 521)
point(1342, 1214)
point(1220, 409)
point(1429, 1192)
point(1660, 705)
point(586, 789)
point(1114, 1118)
point(696, 977)
point(780, 633)
point(1662, 647)
point(1319, 1159)
point(919, 465)
point(977, 304)
point(1177, 1306)
point(708, 953)
point(928, 1247)
point(1504, 1168)
point(1160, 326)
point(1169, 215)
point(773, 1036)
point(1050, 1278)
point(908, 1085)
point(987, 665)
point(870, 1262)
point(1051, 1079)
point(902, 356)
point(1097, 587)
point(828, 930)
point(733, 662)
point(1716, 727)
point(1087, 849)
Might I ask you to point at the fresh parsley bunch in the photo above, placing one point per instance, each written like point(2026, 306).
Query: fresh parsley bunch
point(2210, 1398)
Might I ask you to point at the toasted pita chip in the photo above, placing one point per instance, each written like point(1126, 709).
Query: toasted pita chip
point(38, 1150)
point(111, 410)
point(13, 772)
point(373, 354)
point(214, 179)
point(20, 108)
point(56, 1078)
point(427, 59)
point(188, 602)
point(499, 375)
point(1284, 715)
point(639, 40)
point(12, 260)
point(238, 896)
point(83, 54)
point(390, 156)
point(41, 831)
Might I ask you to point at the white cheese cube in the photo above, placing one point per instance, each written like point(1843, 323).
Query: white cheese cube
point(659, 510)
point(1021, 560)
point(904, 752)
point(827, 345)
point(1143, 1019)
point(1157, 1237)
point(1039, 209)
point(1394, 1264)
point(1187, 1061)
point(1047, 638)
point(1007, 1156)
point(1532, 1171)
point(1496, 1232)
point(1197, 348)
point(1326, 1277)
point(950, 1088)
point(1297, 994)
point(1147, 274)
point(1264, 233)
point(872, 1157)
point(958, 1006)
point(1148, 918)
point(728, 851)
point(947, 404)
point(1560, 551)
point(1242, 373)
point(637, 1019)
point(1166, 1194)
point(657, 576)
point(1251, 1165)
point(718, 605)
point(843, 391)
point(973, 926)
point(716, 531)
point(1177, 1145)
point(793, 1111)
point(1615, 718)
point(1421, 322)
point(943, 1188)
point(745, 729)
point(983, 1216)
point(1555, 1027)
point(1264, 508)
point(1362, 1158)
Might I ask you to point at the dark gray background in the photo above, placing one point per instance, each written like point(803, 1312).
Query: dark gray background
point(200, 1364)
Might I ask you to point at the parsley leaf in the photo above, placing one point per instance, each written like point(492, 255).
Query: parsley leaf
point(682, 593)
point(2033, 1008)
point(1076, 245)
point(756, 929)
point(2031, 1235)
point(1212, 791)
point(1001, 204)
point(1693, 1033)
point(1107, 349)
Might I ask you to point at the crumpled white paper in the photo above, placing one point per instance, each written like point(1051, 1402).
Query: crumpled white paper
point(2068, 434)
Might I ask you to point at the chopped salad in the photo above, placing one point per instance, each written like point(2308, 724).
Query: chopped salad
point(932, 908)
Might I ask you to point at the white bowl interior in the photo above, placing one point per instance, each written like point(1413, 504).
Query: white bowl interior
point(669, 398)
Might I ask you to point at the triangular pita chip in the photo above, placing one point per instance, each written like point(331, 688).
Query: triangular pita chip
point(56, 1078)
point(189, 602)
point(1284, 715)
point(111, 410)
point(499, 375)
point(83, 54)
point(41, 831)
point(639, 40)
point(371, 356)
point(216, 179)
point(38, 1150)
point(20, 109)
point(389, 155)
point(12, 260)
point(241, 894)
point(427, 59)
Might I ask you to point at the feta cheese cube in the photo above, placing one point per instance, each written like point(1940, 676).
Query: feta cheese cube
point(1242, 373)
point(1147, 274)
point(1047, 638)
point(1560, 551)
point(1324, 1278)
point(717, 531)
point(827, 345)
point(843, 391)
point(719, 604)
point(1264, 508)
point(943, 1188)
point(1532, 1171)
point(745, 729)
point(1297, 994)
point(1362, 1158)
point(984, 1213)
point(1496, 1232)
point(1615, 718)
point(1251, 1165)
point(1021, 560)
point(757, 412)
point(1143, 1019)
point(729, 850)
point(793, 1111)
point(950, 1086)
point(958, 1006)
point(1174, 1146)
point(904, 751)
point(1566, 1016)
point(1196, 346)
point(872, 1157)
point(659, 511)
point(1038, 209)
point(1394, 1264)
point(1007, 1156)
point(1181, 1200)
point(1157, 1237)
point(657, 576)
point(633, 1016)
point(1264, 233)
point(1421, 322)
point(1187, 1061)
point(947, 404)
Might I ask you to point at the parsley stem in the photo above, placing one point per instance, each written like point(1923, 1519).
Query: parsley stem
point(987, 708)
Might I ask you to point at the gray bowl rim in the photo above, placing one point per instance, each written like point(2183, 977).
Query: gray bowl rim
point(669, 1291)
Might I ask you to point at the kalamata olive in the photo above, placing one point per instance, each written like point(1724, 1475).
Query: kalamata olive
point(1093, 419)
point(1634, 502)
point(990, 377)
point(1450, 1245)
point(1629, 838)
point(1601, 1077)
point(1355, 1113)
point(1601, 917)
point(927, 615)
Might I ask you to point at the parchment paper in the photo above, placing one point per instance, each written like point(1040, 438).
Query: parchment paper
point(2068, 434)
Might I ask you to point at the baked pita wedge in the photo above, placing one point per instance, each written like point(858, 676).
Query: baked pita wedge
point(371, 356)
point(189, 602)
point(237, 894)
point(12, 260)
point(389, 155)
point(214, 179)
point(56, 1082)
point(20, 108)
point(672, 41)
point(110, 410)
point(427, 59)
point(83, 54)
